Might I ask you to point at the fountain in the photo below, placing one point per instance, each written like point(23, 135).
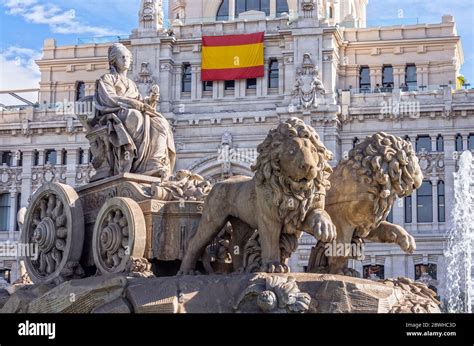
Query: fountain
point(460, 237)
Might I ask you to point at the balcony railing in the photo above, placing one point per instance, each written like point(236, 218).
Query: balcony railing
point(379, 90)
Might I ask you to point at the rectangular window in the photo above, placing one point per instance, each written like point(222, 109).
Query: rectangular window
point(273, 74)
point(423, 142)
point(207, 86)
point(410, 77)
point(4, 212)
point(364, 79)
point(51, 157)
point(80, 90)
point(408, 216)
point(6, 158)
point(282, 7)
point(252, 83)
point(441, 205)
point(18, 207)
point(229, 85)
point(186, 78)
point(424, 202)
point(387, 78)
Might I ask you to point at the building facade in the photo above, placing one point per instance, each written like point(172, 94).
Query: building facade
point(399, 79)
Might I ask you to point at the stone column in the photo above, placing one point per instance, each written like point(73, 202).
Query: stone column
point(194, 87)
point(85, 158)
point(28, 157)
point(59, 157)
point(13, 203)
point(281, 76)
point(198, 83)
point(434, 189)
point(433, 142)
point(398, 76)
point(41, 161)
point(72, 161)
point(449, 169)
point(273, 9)
point(232, 9)
point(414, 214)
point(179, 76)
point(375, 76)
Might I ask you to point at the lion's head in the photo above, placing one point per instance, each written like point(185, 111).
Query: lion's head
point(294, 163)
point(389, 166)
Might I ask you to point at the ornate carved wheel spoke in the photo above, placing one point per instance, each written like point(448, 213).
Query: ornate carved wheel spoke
point(119, 235)
point(53, 233)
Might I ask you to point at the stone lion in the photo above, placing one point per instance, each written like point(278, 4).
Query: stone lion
point(286, 196)
point(364, 188)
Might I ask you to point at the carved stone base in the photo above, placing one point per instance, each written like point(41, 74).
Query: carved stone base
point(250, 293)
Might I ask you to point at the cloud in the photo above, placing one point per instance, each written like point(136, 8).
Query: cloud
point(18, 70)
point(60, 21)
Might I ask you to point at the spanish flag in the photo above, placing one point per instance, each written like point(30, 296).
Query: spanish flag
point(232, 57)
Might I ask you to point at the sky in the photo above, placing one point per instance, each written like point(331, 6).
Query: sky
point(25, 24)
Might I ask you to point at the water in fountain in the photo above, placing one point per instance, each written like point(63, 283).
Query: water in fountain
point(460, 237)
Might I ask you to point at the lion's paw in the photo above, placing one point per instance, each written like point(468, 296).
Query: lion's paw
point(324, 230)
point(406, 242)
point(274, 267)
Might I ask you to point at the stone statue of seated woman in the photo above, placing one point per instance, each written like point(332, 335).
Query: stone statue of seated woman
point(139, 139)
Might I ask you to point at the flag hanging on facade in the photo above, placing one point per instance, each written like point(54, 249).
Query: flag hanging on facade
point(232, 57)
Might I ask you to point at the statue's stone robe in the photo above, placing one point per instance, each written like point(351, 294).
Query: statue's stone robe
point(143, 141)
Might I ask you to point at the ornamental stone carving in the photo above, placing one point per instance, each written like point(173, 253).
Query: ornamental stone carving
point(308, 85)
point(431, 163)
point(47, 174)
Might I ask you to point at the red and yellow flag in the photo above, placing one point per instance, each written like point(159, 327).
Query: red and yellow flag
point(232, 57)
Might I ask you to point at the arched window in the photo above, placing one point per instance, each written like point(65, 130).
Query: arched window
point(252, 5)
point(364, 78)
point(331, 12)
point(439, 144)
point(424, 202)
point(459, 144)
point(282, 7)
point(470, 141)
point(223, 12)
point(355, 141)
point(64, 157)
point(441, 205)
point(80, 159)
point(36, 158)
point(423, 142)
point(80, 90)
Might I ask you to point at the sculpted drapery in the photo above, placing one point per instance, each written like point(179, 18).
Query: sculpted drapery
point(142, 138)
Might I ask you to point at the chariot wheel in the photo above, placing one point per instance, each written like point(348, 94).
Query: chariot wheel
point(119, 235)
point(53, 233)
